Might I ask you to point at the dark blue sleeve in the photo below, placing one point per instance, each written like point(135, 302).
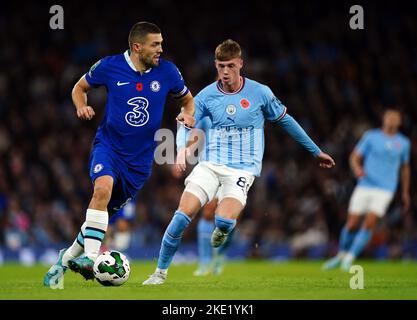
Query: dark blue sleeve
point(178, 88)
point(297, 132)
point(97, 76)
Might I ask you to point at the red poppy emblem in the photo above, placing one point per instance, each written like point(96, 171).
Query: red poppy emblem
point(139, 86)
point(244, 103)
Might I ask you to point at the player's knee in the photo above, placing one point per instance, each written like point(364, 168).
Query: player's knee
point(101, 193)
point(187, 208)
point(370, 222)
point(352, 223)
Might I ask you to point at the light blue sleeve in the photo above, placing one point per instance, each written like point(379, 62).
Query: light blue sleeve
point(297, 132)
point(184, 133)
point(405, 158)
point(273, 108)
point(363, 146)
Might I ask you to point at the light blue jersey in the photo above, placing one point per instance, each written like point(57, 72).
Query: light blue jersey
point(383, 155)
point(236, 135)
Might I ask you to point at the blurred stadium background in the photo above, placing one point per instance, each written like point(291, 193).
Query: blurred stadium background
point(335, 81)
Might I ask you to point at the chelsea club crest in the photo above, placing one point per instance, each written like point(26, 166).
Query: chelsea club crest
point(155, 86)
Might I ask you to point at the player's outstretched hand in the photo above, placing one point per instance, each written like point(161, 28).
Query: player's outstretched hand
point(186, 119)
point(325, 161)
point(181, 161)
point(85, 113)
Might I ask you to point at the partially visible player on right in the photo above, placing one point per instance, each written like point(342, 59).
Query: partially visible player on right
point(380, 157)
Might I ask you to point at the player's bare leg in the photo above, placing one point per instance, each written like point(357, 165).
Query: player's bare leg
point(227, 212)
point(347, 236)
point(362, 238)
point(96, 225)
point(189, 205)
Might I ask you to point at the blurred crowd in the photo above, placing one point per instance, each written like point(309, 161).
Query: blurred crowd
point(334, 80)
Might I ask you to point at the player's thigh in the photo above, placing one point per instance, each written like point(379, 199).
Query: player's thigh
point(353, 221)
point(210, 208)
point(190, 203)
point(203, 183)
point(371, 221)
point(359, 201)
point(235, 184)
point(379, 202)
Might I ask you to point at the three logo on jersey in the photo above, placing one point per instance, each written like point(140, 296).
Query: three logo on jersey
point(139, 116)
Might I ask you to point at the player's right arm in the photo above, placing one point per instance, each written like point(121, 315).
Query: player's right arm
point(183, 135)
point(355, 161)
point(356, 157)
point(79, 98)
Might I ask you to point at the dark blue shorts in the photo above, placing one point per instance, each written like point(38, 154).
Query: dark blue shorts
point(126, 213)
point(127, 180)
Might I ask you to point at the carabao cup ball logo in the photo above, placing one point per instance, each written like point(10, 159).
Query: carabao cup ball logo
point(139, 116)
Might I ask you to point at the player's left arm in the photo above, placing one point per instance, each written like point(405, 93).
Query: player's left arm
point(405, 177)
point(187, 110)
point(275, 111)
point(292, 127)
point(405, 185)
point(183, 96)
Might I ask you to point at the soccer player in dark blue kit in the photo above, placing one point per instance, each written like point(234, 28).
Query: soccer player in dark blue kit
point(137, 83)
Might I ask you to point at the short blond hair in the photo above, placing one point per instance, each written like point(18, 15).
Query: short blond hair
point(227, 50)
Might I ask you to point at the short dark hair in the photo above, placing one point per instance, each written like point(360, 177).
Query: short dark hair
point(140, 30)
point(227, 50)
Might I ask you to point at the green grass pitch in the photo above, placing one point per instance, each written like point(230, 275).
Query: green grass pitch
point(240, 280)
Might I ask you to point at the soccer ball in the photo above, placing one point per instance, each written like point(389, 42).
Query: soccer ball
point(111, 268)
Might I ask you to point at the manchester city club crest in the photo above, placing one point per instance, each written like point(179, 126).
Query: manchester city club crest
point(231, 109)
point(155, 86)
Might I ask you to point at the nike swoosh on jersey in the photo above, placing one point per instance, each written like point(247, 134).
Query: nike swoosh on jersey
point(121, 83)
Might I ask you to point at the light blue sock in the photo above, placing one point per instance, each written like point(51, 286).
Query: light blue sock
point(172, 239)
point(346, 239)
point(227, 243)
point(224, 224)
point(360, 242)
point(204, 231)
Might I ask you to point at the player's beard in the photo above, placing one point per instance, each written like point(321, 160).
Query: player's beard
point(148, 62)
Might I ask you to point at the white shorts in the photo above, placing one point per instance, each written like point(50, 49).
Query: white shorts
point(365, 200)
point(211, 177)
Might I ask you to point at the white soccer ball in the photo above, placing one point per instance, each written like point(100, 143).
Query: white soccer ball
point(111, 268)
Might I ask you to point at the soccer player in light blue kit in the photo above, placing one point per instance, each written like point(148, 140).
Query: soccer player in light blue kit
point(377, 160)
point(137, 83)
point(210, 260)
point(237, 107)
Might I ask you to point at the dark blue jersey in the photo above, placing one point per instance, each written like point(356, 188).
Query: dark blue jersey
point(135, 105)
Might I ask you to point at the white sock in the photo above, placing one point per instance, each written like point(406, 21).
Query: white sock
point(96, 227)
point(349, 257)
point(341, 254)
point(164, 271)
point(76, 249)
